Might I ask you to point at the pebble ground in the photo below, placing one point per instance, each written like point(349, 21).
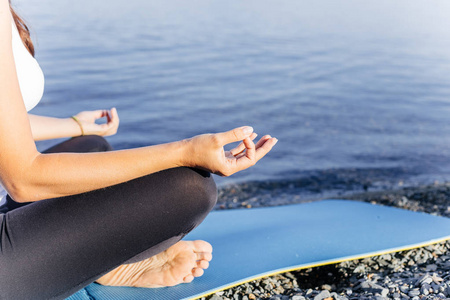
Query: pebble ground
point(422, 273)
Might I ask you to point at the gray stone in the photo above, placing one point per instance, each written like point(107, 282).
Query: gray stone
point(425, 289)
point(426, 279)
point(375, 286)
point(437, 279)
point(268, 286)
point(414, 293)
point(435, 288)
point(365, 285)
point(323, 295)
point(297, 297)
point(215, 297)
point(289, 275)
point(431, 268)
point(392, 285)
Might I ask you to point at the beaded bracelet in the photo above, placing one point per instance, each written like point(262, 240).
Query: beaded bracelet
point(79, 124)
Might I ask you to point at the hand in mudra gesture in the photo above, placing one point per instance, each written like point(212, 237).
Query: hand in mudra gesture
point(207, 151)
point(87, 121)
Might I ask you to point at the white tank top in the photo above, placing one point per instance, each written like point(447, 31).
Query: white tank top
point(30, 76)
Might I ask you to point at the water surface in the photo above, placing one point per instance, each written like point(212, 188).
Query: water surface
point(350, 88)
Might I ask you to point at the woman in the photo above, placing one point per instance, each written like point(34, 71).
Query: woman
point(114, 217)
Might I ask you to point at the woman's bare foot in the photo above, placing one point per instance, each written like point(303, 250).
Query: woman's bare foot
point(178, 264)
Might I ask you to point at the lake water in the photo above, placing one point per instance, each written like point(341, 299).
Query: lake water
point(353, 90)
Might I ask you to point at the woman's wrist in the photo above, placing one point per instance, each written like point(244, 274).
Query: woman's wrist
point(72, 128)
point(79, 124)
point(192, 152)
point(182, 153)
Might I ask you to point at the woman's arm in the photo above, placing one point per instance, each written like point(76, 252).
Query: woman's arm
point(46, 128)
point(54, 175)
point(31, 176)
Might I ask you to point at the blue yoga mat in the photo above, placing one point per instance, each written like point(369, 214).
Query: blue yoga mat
point(252, 243)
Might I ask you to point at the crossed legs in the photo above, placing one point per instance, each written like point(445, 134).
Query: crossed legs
point(127, 234)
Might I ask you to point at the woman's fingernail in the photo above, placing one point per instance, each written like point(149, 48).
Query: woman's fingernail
point(247, 129)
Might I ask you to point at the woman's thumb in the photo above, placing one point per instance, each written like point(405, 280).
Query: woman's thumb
point(235, 135)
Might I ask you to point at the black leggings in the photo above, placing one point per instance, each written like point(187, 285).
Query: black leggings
point(52, 248)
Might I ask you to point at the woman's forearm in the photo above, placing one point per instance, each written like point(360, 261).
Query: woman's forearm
point(63, 174)
point(83, 123)
point(46, 128)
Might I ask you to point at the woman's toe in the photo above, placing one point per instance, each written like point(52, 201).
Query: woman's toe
point(204, 256)
point(204, 264)
point(197, 272)
point(202, 246)
point(188, 278)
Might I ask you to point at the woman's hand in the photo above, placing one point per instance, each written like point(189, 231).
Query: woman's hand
point(206, 151)
point(87, 121)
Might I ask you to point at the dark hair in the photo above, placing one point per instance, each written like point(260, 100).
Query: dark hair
point(24, 32)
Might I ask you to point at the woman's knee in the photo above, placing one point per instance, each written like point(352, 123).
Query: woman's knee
point(198, 192)
point(201, 188)
point(92, 143)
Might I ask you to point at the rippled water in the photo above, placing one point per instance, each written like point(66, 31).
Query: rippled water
point(344, 85)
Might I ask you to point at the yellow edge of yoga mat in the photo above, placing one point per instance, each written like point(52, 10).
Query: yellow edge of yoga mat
point(322, 263)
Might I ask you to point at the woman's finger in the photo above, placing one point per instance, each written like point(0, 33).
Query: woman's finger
point(106, 126)
point(114, 115)
point(235, 135)
point(108, 116)
point(262, 141)
point(248, 158)
point(241, 147)
point(240, 155)
point(250, 149)
point(97, 114)
point(101, 113)
point(259, 144)
point(238, 149)
point(113, 121)
point(262, 150)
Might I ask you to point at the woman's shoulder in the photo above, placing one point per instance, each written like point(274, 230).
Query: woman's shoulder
point(4, 9)
point(5, 21)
